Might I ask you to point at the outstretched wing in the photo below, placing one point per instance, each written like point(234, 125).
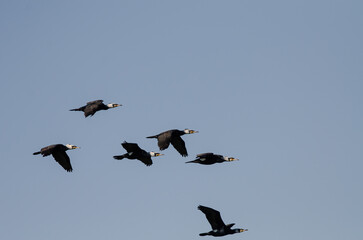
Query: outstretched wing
point(46, 151)
point(146, 160)
point(93, 107)
point(95, 102)
point(164, 140)
point(131, 147)
point(62, 158)
point(204, 155)
point(213, 217)
point(179, 145)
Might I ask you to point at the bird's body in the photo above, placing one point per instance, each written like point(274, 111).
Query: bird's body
point(58, 151)
point(174, 137)
point(211, 158)
point(135, 152)
point(92, 107)
point(218, 227)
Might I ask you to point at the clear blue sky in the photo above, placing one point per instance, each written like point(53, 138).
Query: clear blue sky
point(277, 84)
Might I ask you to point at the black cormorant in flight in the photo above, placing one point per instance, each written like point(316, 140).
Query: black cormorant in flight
point(92, 107)
point(135, 152)
point(211, 158)
point(218, 226)
point(173, 137)
point(59, 153)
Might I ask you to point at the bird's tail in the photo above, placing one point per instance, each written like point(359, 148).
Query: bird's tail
point(36, 153)
point(194, 161)
point(203, 234)
point(76, 109)
point(119, 157)
point(156, 136)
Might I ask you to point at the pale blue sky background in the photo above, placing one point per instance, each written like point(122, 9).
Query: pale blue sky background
point(277, 84)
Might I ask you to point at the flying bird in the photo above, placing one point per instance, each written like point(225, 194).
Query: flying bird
point(135, 152)
point(211, 158)
point(58, 151)
point(92, 107)
point(218, 226)
point(174, 137)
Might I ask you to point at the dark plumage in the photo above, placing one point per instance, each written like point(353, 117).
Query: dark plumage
point(92, 107)
point(135, 152)
point(211, 158)
point(58, 151)
point(217, 224)
point(173, 137)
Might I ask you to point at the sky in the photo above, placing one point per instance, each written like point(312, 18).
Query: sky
point(276, 84)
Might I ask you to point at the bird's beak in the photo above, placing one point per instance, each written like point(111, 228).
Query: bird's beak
point(74, 147)
point(192, 131)
point(243, 230)
point(159, 154)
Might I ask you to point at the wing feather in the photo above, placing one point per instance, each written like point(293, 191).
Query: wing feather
point(93, 107)
point(213, 217)
point(131, 147)
point(146, 160)
point(164, 140)
point(202, 155)
point(62, 158)
point(179, 145)
point(46, 151)
point(95, 102)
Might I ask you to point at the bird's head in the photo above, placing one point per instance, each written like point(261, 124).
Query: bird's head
point(155, 154)
point(230, 159)
point(188, 131)
point(239, 230)
point(113, 105)
point(70, 146)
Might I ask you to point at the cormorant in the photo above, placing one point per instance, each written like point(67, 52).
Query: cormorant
point(211, 158)
point(218, 226)
point(58, 151)
point(173, 137)
point(92, 107)
point(135, 152)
